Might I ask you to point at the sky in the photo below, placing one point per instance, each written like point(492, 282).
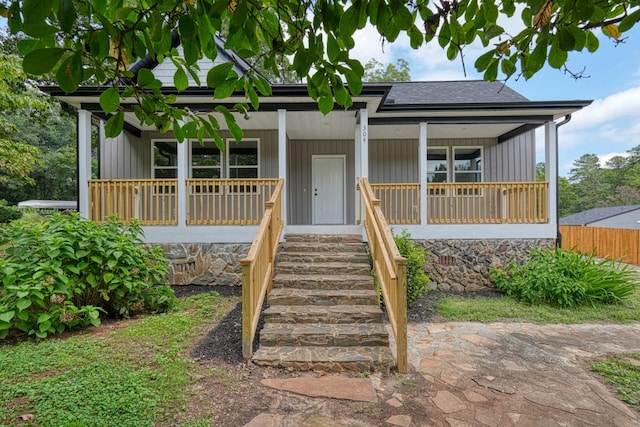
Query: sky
point(609, 126)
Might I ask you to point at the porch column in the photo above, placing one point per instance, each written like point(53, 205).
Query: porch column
point(364, 142)
point(183, 169)
point(358, 170)
point(422, 172)
point(551, 168)
point(84, 161)
point(282, 159)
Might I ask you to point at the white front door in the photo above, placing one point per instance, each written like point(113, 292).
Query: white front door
point(329, 191)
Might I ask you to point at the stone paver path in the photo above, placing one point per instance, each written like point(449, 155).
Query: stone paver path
point(519, 374)
point(496, 374)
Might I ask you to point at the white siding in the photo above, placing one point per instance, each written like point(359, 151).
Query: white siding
point(165, 71)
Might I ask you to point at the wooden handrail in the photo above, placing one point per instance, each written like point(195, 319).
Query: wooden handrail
point(389, 267)
point(257, 268)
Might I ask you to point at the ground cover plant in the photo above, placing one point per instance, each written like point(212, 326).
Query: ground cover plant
point(416, 255)
point(133, 374)
point(565, 278)
point(623, 374)
point(67, 272)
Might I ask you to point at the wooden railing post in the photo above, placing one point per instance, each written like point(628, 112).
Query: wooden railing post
point(401, 334)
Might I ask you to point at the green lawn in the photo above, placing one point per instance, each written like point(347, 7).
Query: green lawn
point(133, 375)
point(508, 309)
point(623, 375)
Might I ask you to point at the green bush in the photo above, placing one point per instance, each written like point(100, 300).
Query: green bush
point(8, 213)
point(417, 279)
point(566, 279)
point(64, 272)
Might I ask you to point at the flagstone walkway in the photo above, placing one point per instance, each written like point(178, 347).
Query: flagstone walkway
point(496, 374)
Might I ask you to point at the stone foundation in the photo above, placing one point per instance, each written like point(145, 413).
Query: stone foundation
point(463, 265)
point(208, 264)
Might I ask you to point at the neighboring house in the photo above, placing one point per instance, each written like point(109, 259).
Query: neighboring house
point(452, 162)
point(611, 217)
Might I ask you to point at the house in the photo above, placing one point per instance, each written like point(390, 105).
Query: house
point(611, 217)
point(453, 162)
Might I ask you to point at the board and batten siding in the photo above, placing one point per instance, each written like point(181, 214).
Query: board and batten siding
point(513, 160)
point(129, 157)
point(396, 161)
point(299, 173)
point(124, 157)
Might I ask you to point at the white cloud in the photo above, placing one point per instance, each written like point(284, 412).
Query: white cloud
point(619, 105)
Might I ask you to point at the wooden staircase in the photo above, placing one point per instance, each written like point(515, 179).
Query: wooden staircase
point(323, 310)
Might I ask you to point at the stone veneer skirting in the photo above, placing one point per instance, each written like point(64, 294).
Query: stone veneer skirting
point(205, 263)
point(463, 265)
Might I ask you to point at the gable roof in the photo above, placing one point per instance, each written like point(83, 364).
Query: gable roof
point(597, 214)
point(452, 92)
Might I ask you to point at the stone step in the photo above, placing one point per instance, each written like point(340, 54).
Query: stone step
point(322, 297)
point(316, 247)
point(327, 359)
point(327, 268)
point(324, 238)
point(323, 314)
point(322, 334)
point(321, 281)
point(321, 257)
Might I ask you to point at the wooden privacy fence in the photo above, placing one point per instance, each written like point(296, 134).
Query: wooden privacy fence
point(389, 267)
point(257, 268)
point(611, 243)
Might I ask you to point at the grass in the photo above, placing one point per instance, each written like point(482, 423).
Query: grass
point(509, 309)
point(623, 374)
point(126, 376)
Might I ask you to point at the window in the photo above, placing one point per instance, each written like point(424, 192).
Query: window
point(206, 161)
point(165, 156)
point(243, 159)
point(467, 164)
point(437, 161)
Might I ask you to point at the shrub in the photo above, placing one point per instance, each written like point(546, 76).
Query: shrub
point(566, 278)
point(8, 213)
point(64, 272)
point(417, 279)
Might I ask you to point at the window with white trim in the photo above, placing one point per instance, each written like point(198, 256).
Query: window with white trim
point(206, 160)
point(467, 164)
point(165, 159)
point(243, 159)
point(437, 164)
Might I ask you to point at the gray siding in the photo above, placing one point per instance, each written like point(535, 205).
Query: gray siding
point(513, 160)
point(299, 171)
point(124, 157)
point(393, 161)
point(128, 157)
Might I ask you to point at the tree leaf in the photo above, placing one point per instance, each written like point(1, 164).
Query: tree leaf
point(145, 77)
point(566, 41)
point(557, 56)
point(592, 43)
point(67, 15)
point(629, 21)
point(349, 21)
point(41, 61)
point(110, 100)
point(325, 103)
point(218, 74)
point(354, 82)
point(114, 125)
point(70, 73)
point(180, 80)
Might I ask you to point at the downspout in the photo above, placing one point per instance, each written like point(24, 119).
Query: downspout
point(566, 120)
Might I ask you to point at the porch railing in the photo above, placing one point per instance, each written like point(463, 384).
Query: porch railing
point(227, 201)
point(257, 267)
point(389, 267)
point(152, 201)
point(466, 203)
point(155, 201)
point(400, 202)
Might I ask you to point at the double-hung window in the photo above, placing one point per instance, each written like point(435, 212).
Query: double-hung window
point(454, 164)
point(165, 159)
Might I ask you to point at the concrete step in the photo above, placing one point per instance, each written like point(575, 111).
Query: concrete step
point(322, 334)
point(322, 297)
point(324, 238)
point(316, 247)
point(327, 268)
point(321, 281)
point(327, 359)
point(323, 314)
point(322, 257)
